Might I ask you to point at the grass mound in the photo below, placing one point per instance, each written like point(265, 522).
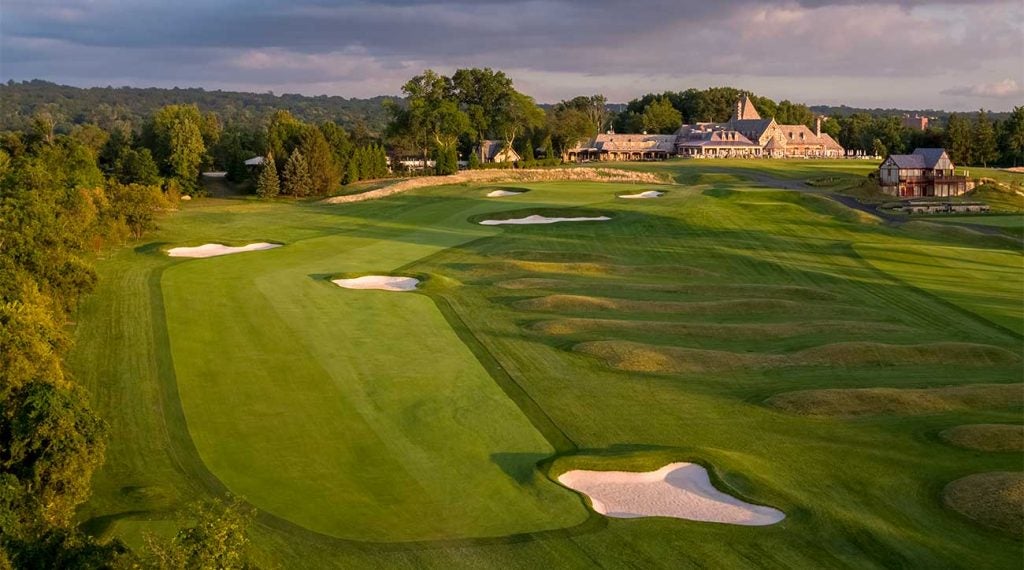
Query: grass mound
point(553, 256)
point(879, 354)
point(585, 303)
point(570, 267)
point(995, 500)
point(986, 437)
point(873, 401)
point(721, 331)
point(1001, 197)
point(638, 357)
point(531, 283)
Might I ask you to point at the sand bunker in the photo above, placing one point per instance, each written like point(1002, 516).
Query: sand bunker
point(643, 195)
point(502, 193)
point(678, 490)
point(382, 282)
point(215, 249)
point(535, 219)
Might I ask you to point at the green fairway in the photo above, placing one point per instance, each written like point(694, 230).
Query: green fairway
point(425, 429)
point(988, 283)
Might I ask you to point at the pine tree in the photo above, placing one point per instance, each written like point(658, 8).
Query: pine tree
point(985, 148)
point(296, 175)
point(352, 169)
point(268, 184)
point(958, 140)
point(323, 170)
point(525, 149)
point(549, 148)
point(382, 160)
point(1013, 137)
point(474, 160)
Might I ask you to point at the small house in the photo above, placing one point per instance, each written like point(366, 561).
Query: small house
point(496, 151)
point(925, 172)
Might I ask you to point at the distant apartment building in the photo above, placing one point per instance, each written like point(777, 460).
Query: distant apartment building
point(917, 122)
point(925, 172)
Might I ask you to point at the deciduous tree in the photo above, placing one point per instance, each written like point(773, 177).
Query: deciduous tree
point(661, 117)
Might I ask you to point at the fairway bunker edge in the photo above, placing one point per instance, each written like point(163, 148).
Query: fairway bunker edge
point(677, 490)
point(643, 195)
point(379, 282)
point(217, 249)
point(538, 219)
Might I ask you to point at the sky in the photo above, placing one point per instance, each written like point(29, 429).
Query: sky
point(915, 54)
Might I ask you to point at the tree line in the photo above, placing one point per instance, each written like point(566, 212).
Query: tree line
point(64, 198)
point(303, 159)
point(109, 106)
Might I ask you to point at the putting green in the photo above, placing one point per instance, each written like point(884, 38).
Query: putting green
point(357, 414)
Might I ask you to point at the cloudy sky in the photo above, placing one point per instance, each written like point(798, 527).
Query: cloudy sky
point(904, 53)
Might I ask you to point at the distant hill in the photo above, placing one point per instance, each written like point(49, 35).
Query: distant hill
point(941, 116)
point(105, 105)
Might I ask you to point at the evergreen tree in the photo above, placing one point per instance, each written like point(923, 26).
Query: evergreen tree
point(958, 140)
point(268, 184)
point(1013, 137)
point(323, 169)
point(382, 161)
point(446, 161)
point(474, 160)
point(985, 148)
point(549, 148)
point(296, 175)
point(352, 170)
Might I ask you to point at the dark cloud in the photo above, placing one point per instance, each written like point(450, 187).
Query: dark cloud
point(351, 47)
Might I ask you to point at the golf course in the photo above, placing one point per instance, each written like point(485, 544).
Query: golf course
point(856, 378)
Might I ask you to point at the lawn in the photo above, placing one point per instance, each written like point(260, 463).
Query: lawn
point(425, 429)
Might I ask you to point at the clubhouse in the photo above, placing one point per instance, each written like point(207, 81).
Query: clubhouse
point(745, 135)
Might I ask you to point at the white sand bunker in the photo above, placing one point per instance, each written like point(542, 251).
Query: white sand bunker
point(535, 219)
point(382, 282)
point(678, 490)
point(643, 195)
point(502, 193)
point(215, 249)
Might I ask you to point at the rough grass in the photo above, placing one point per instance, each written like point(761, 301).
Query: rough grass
point(583, 267)
point(907, 401)
point(722, 331)
point(987, 437)
point(791, 292)
point(995, 500)
point(586, 303)
point(637, 357)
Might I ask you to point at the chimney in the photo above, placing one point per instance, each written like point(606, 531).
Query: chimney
point(817, 126)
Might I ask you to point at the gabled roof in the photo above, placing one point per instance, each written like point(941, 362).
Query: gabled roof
point(745, 110)
point(728, 138)
point(493, 148)
point(756, 127)
point(931, 156)
point(907, 161)
point(801, 134)
point(254, 161)
point(619, 142)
